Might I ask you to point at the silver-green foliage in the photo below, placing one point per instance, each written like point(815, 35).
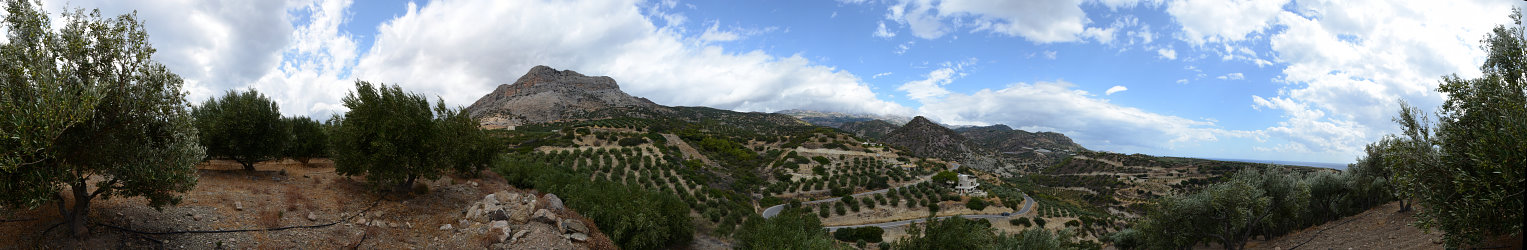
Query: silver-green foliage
point(86, 102)
point(243, 126)
point(1467, 170)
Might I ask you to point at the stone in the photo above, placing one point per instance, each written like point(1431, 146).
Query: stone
point(503, 196)
point(238, 206)
point(578, 237)
point(312, 217)
point(196, 217)
point(520, 214)
point(446, 227)
point(545, 216)
point(362, 221)
point(474, 184)
point(518, 235)
point(490, 199)
point(553, 203)
point(511, 196)
point(505, 236)
point(574, 226)
point(498, 215)
point(500, 224)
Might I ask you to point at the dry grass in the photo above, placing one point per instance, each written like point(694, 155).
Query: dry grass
point(270, 218)
point(295, 199)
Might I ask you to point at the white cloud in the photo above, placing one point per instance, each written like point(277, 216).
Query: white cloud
point(1232, 76)
point(1167, 53)
point(1059, 107)
point(1037, 21)
point(1050, 54)
point(931, 88)
point(1348, 62)
point(877, 76)
point(213, 45)
point(883, 33)
point(1182, 81)
point(464, 59)
point(314, 76)
point(900, 49)
point(1115, 89)
point(1206, 21)
point(712, 34)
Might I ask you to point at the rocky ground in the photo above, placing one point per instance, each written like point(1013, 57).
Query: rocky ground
point(328, 211)
point(1382, 227)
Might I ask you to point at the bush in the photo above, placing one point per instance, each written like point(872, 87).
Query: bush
point(1039, 222)
point(1020, 221)
point(632, 141)
point(870, 234)
point(633, 217)
point(976, 204)
point(788, 230)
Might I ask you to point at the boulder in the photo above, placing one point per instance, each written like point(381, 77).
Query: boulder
point(574, 226)
point(545, 216)
point(553, 203)
point(490, 199)
point(519, 214)
point(498, 215)
point(578, 237)
point(500, 224)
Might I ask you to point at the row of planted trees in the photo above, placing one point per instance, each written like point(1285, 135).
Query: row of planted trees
point(1464, 170)
point(85, 113)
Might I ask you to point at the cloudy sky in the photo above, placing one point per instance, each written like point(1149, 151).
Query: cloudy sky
point(1261, 79)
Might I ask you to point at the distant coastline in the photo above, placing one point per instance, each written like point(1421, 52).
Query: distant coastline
point(1337, 166)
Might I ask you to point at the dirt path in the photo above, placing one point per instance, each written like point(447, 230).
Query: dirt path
point(689, 152)
point(1378, 228)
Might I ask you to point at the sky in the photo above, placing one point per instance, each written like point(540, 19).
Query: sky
point(1290, 80)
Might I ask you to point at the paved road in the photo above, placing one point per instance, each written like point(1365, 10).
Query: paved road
point(774, 210)
point(1028, 204)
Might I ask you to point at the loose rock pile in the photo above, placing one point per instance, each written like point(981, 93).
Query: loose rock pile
point(511, 218)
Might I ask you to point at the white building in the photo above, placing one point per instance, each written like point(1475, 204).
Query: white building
point(967, 186)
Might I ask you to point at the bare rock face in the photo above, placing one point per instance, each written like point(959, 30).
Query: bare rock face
point(545, 94)
point(927, 139)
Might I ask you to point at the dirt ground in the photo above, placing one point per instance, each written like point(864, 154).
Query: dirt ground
point(1378, 228)
point(278, 194)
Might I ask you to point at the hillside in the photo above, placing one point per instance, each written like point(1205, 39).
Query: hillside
point(927, 139)
point(1008, 140)
point(872, 129)
point(545, 94)
point(837, 120)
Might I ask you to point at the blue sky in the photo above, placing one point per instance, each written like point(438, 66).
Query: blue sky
point(1305, 80)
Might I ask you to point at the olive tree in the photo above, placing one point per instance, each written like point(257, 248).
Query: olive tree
point(1473, 190)
point(245, 127)
point(308, 139)
point(460, 144)
point(394, 138)
point(121, 127)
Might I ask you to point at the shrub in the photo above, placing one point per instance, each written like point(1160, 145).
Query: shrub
point(788, 230)
point(870, 234)
point(976, 204)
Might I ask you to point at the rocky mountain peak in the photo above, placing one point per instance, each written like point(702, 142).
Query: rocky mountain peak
point(546, 94)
